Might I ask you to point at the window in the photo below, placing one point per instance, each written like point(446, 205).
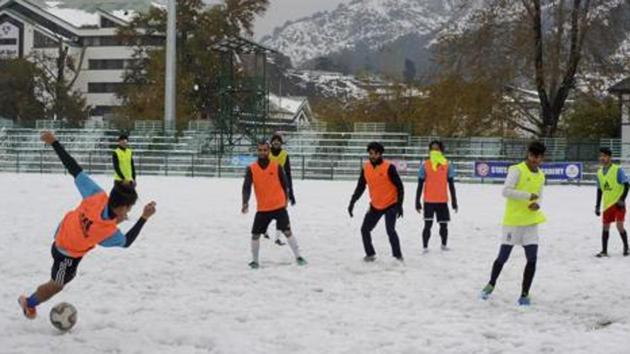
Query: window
point(102, 110)
point(111, 41)
point(106, 64)
point(107, 23)
point(92, 41)
point(111, 64)
point(42, 41)
point(102, 41)
point(8, 41)
point(104, 87)
point(114, 41)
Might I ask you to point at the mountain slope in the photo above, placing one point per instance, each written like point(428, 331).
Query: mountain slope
point(365, 26)
point(381, 35)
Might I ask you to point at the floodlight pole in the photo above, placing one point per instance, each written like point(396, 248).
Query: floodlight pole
point(171, 67)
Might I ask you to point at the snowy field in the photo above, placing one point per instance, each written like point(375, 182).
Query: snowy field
point(185, 287)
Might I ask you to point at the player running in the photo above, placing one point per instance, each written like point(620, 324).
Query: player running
point(281, 157)
point(386, 198)
point(523, 190)
point(612, 185)
point(93, 222)
point(271, 189)
point(436, 175)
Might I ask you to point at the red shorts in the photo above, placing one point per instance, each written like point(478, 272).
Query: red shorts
point(614, 214)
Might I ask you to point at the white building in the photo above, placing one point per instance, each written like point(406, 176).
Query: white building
point(97, 58)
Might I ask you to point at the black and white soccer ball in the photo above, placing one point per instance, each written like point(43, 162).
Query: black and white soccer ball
point(63, 316)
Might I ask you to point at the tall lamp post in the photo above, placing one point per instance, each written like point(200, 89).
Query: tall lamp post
point(171, 65)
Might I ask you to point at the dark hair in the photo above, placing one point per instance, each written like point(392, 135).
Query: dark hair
point(123, 136)
point(262, 142)
point(122, 195)
point(378, 147)
point(278, 137)
point(438, 143)
point(606, 151)
point(536, 148)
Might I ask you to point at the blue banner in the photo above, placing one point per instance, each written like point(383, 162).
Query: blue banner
point(241, 160)
point(558, 171)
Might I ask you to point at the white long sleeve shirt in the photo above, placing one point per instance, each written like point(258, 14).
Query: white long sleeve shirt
point(509, 187)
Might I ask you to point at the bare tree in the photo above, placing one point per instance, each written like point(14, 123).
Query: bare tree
point(64, 101)
point(554, 84)
point(555, 48)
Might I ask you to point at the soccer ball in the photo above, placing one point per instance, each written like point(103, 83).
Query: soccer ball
point(63, 316)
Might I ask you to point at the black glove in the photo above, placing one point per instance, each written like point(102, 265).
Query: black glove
point(455, 206)
point(399, 211)
point(292, 199)
point(419, 206)
point(597, 211)
point(350, 209)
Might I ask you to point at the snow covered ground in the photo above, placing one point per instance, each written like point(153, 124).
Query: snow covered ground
point(185, 287)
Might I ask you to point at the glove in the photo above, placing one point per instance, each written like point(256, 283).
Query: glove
point(399, 211)
point(597, 211)
point(419, 207)
point(621, 203)
point(455, 206)
point(292, 199)
point(350, 209)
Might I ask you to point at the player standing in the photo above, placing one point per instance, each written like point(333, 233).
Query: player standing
point(437, 177)
point(386, 198)
point(122, 160)
point(271, 189)
point(612, 186)
point(523, 190)
point(281, 157)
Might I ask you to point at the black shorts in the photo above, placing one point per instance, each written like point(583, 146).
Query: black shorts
point(64, 268)
point(264, 218)
point(438, 210)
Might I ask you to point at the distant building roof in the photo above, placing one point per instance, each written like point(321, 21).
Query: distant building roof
point(622, 86)
point(286, 104)
point(76, 17)
point(290, 110)
point(81, 15)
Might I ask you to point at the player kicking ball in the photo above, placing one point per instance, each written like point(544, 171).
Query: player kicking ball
point(272, 192)
point(523, 191)
point(94, 222)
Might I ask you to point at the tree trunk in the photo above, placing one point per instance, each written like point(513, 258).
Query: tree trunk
point(552, 108)
point(60, 89)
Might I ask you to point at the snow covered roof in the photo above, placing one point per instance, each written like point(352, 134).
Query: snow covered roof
point(158, 5)
point(77, 15)
point(291, 105)
point(41, 29)
point(125, 15)
point(77, 18)
point(293, 110)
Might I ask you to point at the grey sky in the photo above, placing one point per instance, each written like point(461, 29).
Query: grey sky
point(281, 11)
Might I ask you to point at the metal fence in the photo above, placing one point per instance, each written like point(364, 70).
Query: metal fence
point(229, 165)
point(313, 154)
